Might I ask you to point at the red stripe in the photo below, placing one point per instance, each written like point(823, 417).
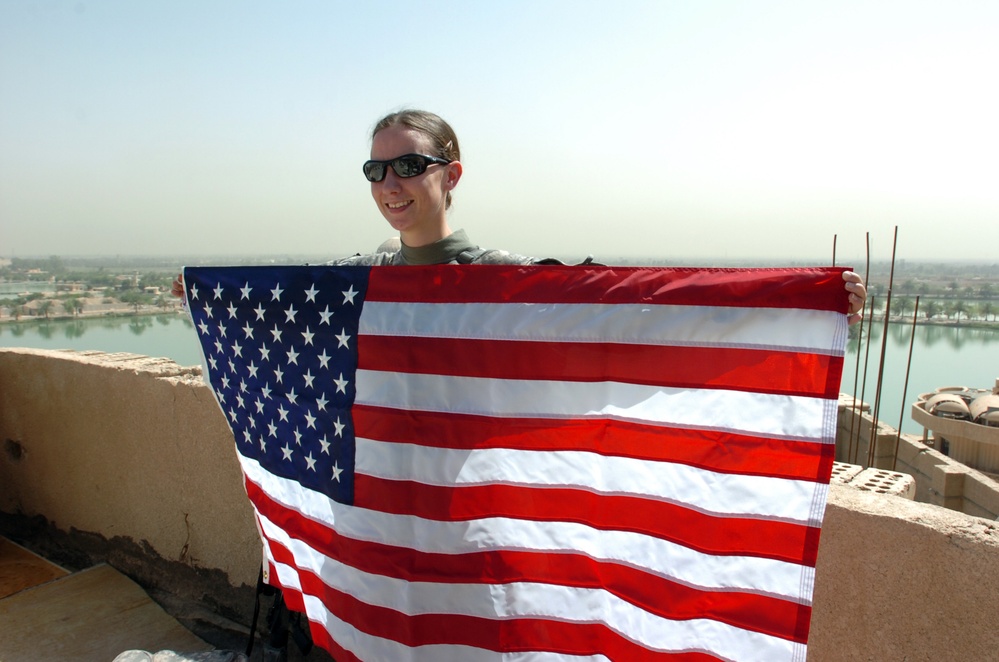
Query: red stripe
point(657, 595)
point(807, 288)
point(761, 371)
point(720, 536)
point(705, 449)
point(501, 634)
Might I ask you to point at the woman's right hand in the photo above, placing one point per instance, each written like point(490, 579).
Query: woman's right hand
point(178, 286)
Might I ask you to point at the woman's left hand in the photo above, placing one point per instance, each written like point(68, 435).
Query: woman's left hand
point(857, 296)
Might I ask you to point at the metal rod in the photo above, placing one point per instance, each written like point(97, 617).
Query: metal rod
point(855, 406)
point(884, 346)
point(834, 250)
point(905, 387)
point(867, 356)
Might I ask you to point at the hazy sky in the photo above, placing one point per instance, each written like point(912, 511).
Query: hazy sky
point(666, 129)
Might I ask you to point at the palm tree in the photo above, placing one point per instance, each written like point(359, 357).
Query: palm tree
point(44, 307)
point(988, 308)
point(931, 308)
point(958, 307)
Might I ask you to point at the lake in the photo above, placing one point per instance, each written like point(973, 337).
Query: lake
point(942, 355)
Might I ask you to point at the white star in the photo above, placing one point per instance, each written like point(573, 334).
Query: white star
point(272, 430)
point(310, 294)
point(213, 362)
point(290, 314)
point(278, 375)
point(248, 330)
point(292, 356)
point(276, 292)
point(298, 437)
point(282, 413)
point(245, 291)
point(218, 346)
point(222, 329)
point(348, 296)
point(336, 472)
point(239, 401)
point(321, 402)
point(341, 384)
point(194, 291)
point(260, 406)
point(342, 338)
point(232, 366)
point(266, 391)
point(325, 444)
point(326, 315)
point(252, 368)
point(246, 437)
point(339, 427)
point(208, 310)
point(242, 386)
point(324, 358)
point(218, 291)
point(292, 396)
point(259, 310)
point(232, 415)
point(237, 349)
point(203, 328)
point(308, 378)
point(221, 396)
point(276, 332)
point(310, 420)
point(308, 336)
point(287, 452)
point(263, 444)
point(225, 382)
point(253, 422)
point(265, 353)
point(311, 462)
point(232, 311)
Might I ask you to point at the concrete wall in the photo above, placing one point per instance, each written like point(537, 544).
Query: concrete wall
point(940, 480)
point(131, 448)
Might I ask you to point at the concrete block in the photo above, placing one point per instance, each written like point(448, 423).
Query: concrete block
point(843, 473)
point(882, 481)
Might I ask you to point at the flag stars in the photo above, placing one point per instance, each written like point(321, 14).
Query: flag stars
point(237, 349)
point(310, 420)
point(290, 314)
point(266, 391)
point(298, 437)
point(263, 445)
point(247, 437)
point(225, 382)
point(310, 294)
point(276, 292)
point(276, 332)
point(286, 451)
point(309, 378)
point(325, 316)
point(218, 346)
point(321, 402)
point(341, 384)
point(239, 401)
point(260, 406)
point(232, 311)
point(194, 291)
point(244, 292)
point(308, 335)
point(218, 291)
point(338, 427)
point(265, 353)
point(272, 430)
point(252, 368)
point(248, 330)
point(325, 445)
point(203, 327)
point(324, 359)
point(232, 414)
point(259, 310)
point(221, 329)
point(342, 338)
point(310, 462)
point(208, 310)
point(292, 356)
point(282, 413)
point(336, 472)
point(349, 294)
point(278, 375)
point(292, 397)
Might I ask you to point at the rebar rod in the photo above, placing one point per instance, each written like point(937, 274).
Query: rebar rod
point(854, 406)
point(884, 346)
point(905, 387)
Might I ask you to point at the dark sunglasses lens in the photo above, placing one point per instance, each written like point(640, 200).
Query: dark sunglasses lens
point(374, 171)
point(410, 165)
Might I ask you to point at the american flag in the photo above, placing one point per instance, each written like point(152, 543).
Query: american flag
point(549, 463)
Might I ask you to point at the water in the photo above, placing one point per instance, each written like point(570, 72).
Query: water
point(942, 355)
point(168, 335)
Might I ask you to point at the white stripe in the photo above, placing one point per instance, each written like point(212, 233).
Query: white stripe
point(790, 329)
point(707, 491)
point(534, 600)
point(785, 416)
point(659, 557)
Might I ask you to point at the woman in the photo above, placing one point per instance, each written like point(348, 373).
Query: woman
point(415, 165)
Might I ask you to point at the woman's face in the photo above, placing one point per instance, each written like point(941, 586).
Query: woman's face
point(415, 206)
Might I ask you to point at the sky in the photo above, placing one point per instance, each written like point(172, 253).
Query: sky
point(662, 130)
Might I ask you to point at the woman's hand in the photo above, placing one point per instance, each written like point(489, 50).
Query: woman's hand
point(177, 289)
point(857, 296)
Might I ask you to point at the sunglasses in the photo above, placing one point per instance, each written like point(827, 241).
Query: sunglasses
point(407, 165)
